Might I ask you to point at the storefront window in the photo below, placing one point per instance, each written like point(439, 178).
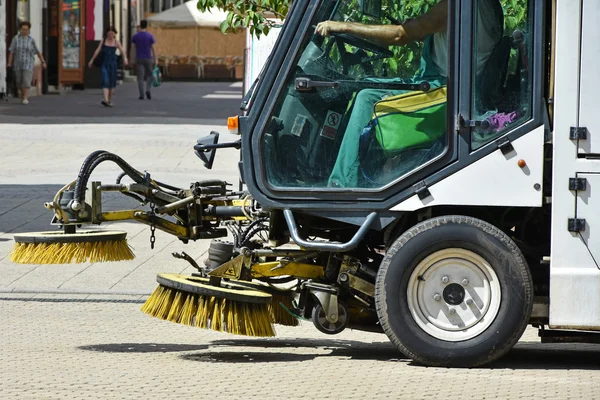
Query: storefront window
point(71, 34)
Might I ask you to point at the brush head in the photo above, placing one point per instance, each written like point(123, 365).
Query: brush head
point(202, 286)
point(195, 302)
point(57, 247)
point(282, 302)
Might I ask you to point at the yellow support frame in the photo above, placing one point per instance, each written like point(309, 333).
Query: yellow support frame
point(297, 270)
point(143, 217)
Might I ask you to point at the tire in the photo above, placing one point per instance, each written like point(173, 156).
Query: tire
point(423, 276)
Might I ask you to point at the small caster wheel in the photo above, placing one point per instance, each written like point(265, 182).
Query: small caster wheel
point(321, 323)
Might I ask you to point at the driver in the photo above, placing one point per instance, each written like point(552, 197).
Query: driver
point(430, 27)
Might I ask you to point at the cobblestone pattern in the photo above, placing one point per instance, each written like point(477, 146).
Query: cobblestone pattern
point(77, 348)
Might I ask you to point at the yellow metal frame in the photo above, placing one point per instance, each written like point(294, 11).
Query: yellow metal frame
point(233, 269)
point(297, 270)
point(143, 217)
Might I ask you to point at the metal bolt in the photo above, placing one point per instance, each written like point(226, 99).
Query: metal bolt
point(469, 302)
point(437, 297)
point(343, 277)
point(445, 279)
point(465, 282)
point(452, 311)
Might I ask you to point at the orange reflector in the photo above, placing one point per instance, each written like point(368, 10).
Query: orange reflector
point(233, 124)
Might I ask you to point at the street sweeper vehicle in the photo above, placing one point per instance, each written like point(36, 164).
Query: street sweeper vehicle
point(427, 175)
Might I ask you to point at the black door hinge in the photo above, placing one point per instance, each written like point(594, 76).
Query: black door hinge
point(576, 225)
point(421, 190)
point(577, 184)
point(505, 145)
point(578, 133)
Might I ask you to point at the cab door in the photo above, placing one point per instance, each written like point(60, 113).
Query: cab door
point(349, 119)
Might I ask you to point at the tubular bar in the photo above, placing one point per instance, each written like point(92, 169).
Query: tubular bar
point(328, 246)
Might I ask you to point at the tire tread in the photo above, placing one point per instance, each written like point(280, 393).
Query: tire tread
point(380, 291)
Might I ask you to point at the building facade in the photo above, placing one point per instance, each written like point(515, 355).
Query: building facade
point(67, 32)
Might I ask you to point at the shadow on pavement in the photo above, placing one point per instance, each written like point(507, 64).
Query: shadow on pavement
point(172, 103)
point(247, 357)
point(22, 207)
point(142, 347)
point(379, 351)
point(550, 357)
point(526, 355)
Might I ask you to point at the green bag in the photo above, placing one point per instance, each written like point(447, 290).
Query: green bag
point(410, 120)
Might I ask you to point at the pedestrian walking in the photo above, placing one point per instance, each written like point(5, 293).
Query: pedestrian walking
point(106, 58)
point(21, 58)
point(145, 58)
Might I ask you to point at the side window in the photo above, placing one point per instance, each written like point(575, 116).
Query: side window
point(502, 43)
point(357, 113)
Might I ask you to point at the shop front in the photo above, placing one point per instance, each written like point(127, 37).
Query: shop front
point(67, 32)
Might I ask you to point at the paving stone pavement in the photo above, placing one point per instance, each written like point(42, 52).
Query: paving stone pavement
point(62, 337)
point(103, 347)
point(37, 160)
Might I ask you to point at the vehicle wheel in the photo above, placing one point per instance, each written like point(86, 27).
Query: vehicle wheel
point(454, 291)
point(320, 320)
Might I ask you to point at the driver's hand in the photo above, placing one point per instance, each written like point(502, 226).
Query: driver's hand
point(326, 28)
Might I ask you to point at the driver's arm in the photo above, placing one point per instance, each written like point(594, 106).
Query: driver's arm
point(433, 21)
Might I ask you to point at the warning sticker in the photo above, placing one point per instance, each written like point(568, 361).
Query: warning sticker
point(331, 125)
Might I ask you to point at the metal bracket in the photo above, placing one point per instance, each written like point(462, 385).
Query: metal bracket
point(421, 190)
point(576, 225)
point(232, 268)
point(577, 184)
point(505, 145)
point(578, 133)
point(327, 296)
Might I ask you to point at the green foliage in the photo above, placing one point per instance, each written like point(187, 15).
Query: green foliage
point(251, 14)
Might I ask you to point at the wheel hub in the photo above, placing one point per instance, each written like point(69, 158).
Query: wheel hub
point(454, 294)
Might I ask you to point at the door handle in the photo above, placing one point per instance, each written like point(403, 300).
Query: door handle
point(307, 84)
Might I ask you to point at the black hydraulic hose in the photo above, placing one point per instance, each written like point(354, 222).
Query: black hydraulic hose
point(120, 177)
point(83, 171)
point(83, 180)
point(164, 185)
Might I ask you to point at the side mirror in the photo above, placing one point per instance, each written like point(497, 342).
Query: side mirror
point(370, 7)
point(205, 149)
point(207, 146)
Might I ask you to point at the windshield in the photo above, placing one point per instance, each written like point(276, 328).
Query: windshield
point(357, 111)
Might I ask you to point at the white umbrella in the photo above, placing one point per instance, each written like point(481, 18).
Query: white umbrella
point(187, 14)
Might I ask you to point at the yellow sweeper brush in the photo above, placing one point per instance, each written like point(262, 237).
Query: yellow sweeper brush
point(281, 303)
point(211, 304)
point(70, 248)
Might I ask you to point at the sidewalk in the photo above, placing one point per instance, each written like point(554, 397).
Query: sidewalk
point(172, 103)
point(37, 160)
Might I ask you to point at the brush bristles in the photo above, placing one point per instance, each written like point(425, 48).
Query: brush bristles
point(71, 253)
point(282, 316)
point(208, 312)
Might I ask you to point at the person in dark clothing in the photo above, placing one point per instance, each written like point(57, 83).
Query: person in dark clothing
point(145, 58)
point(108, 47)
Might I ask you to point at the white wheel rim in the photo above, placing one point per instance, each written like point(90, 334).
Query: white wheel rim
point(437, 312)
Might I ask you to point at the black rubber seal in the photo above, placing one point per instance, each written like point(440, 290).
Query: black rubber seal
point(61, 237)
point(183, 283)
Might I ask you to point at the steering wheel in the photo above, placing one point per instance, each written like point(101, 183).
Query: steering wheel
point(356, 58)
point(362, 44)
